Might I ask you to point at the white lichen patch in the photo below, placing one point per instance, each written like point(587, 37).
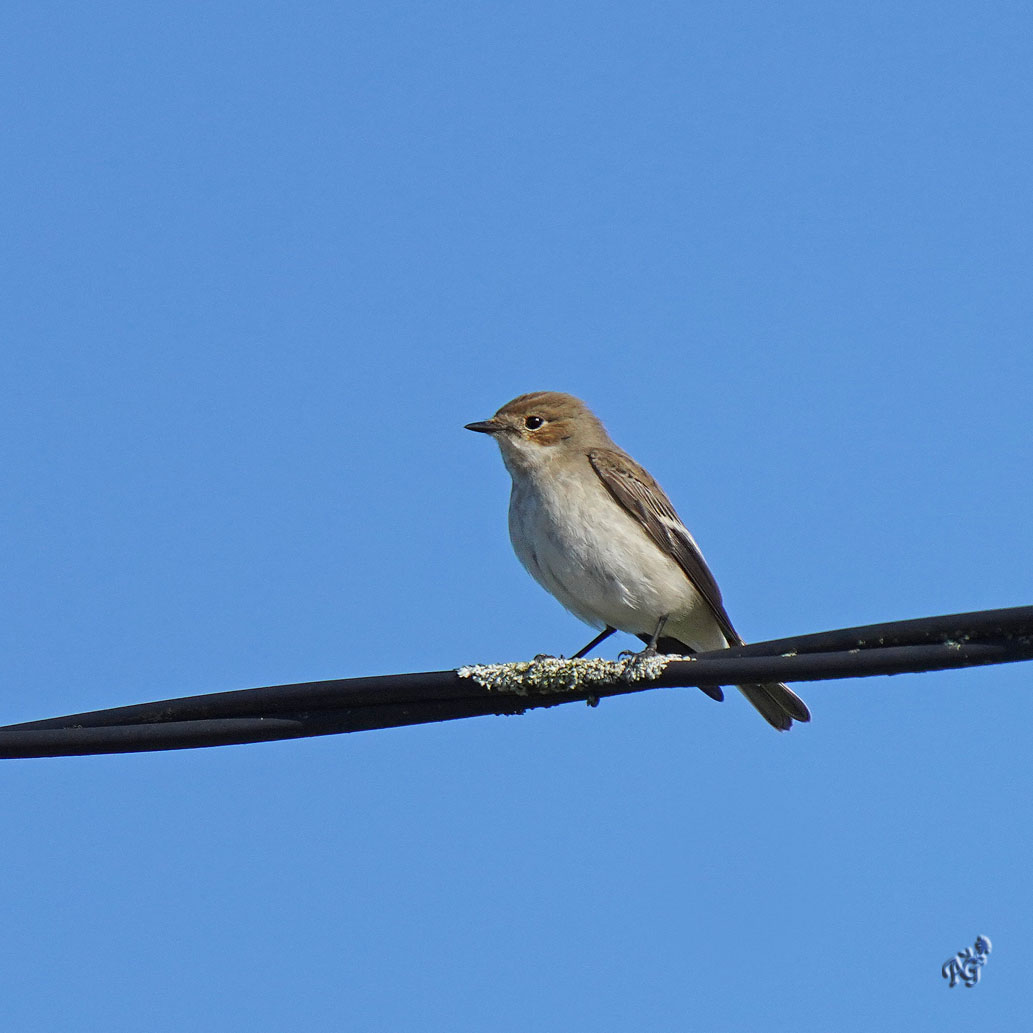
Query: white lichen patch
point(551, 674)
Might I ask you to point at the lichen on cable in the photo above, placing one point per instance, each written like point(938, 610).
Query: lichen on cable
point(554, 674)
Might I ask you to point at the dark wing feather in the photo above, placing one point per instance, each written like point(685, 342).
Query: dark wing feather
point(636, 491)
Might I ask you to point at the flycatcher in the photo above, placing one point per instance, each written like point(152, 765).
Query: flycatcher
point(597, 532)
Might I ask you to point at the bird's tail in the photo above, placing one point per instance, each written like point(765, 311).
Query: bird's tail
point(777, 703)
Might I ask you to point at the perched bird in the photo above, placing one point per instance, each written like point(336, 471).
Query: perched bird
point(597, 532)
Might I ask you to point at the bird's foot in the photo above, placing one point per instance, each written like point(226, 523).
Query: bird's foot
point(635, 660)
point(642, 654)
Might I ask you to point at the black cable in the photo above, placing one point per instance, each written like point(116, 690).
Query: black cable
point(387, 701)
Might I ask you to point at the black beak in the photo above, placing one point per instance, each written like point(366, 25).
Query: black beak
point(484, 427)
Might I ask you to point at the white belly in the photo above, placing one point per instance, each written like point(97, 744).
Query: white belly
point(580, 545)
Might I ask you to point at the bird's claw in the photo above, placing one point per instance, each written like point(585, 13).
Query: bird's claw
point(634, 660)
point(642, 654)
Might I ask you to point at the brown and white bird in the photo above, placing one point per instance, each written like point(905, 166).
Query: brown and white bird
point(597, 532)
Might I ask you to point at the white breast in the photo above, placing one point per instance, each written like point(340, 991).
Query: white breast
point(580, 545)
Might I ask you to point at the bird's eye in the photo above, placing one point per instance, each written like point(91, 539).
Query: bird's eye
point(533, 422)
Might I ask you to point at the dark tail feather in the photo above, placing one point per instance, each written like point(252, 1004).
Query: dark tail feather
point(777, 703)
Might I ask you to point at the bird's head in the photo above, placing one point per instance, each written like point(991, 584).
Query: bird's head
point(535, 429)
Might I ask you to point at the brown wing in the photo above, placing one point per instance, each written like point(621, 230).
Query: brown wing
point(645, 500)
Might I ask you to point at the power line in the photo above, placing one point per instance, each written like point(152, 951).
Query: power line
point(389, 701)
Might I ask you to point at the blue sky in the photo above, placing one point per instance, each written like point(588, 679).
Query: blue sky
point(261, 264)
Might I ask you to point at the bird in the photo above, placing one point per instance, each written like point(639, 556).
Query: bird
point(596, 531)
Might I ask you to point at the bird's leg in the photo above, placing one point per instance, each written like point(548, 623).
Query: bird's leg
point(601, 637)
point(650, 649)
